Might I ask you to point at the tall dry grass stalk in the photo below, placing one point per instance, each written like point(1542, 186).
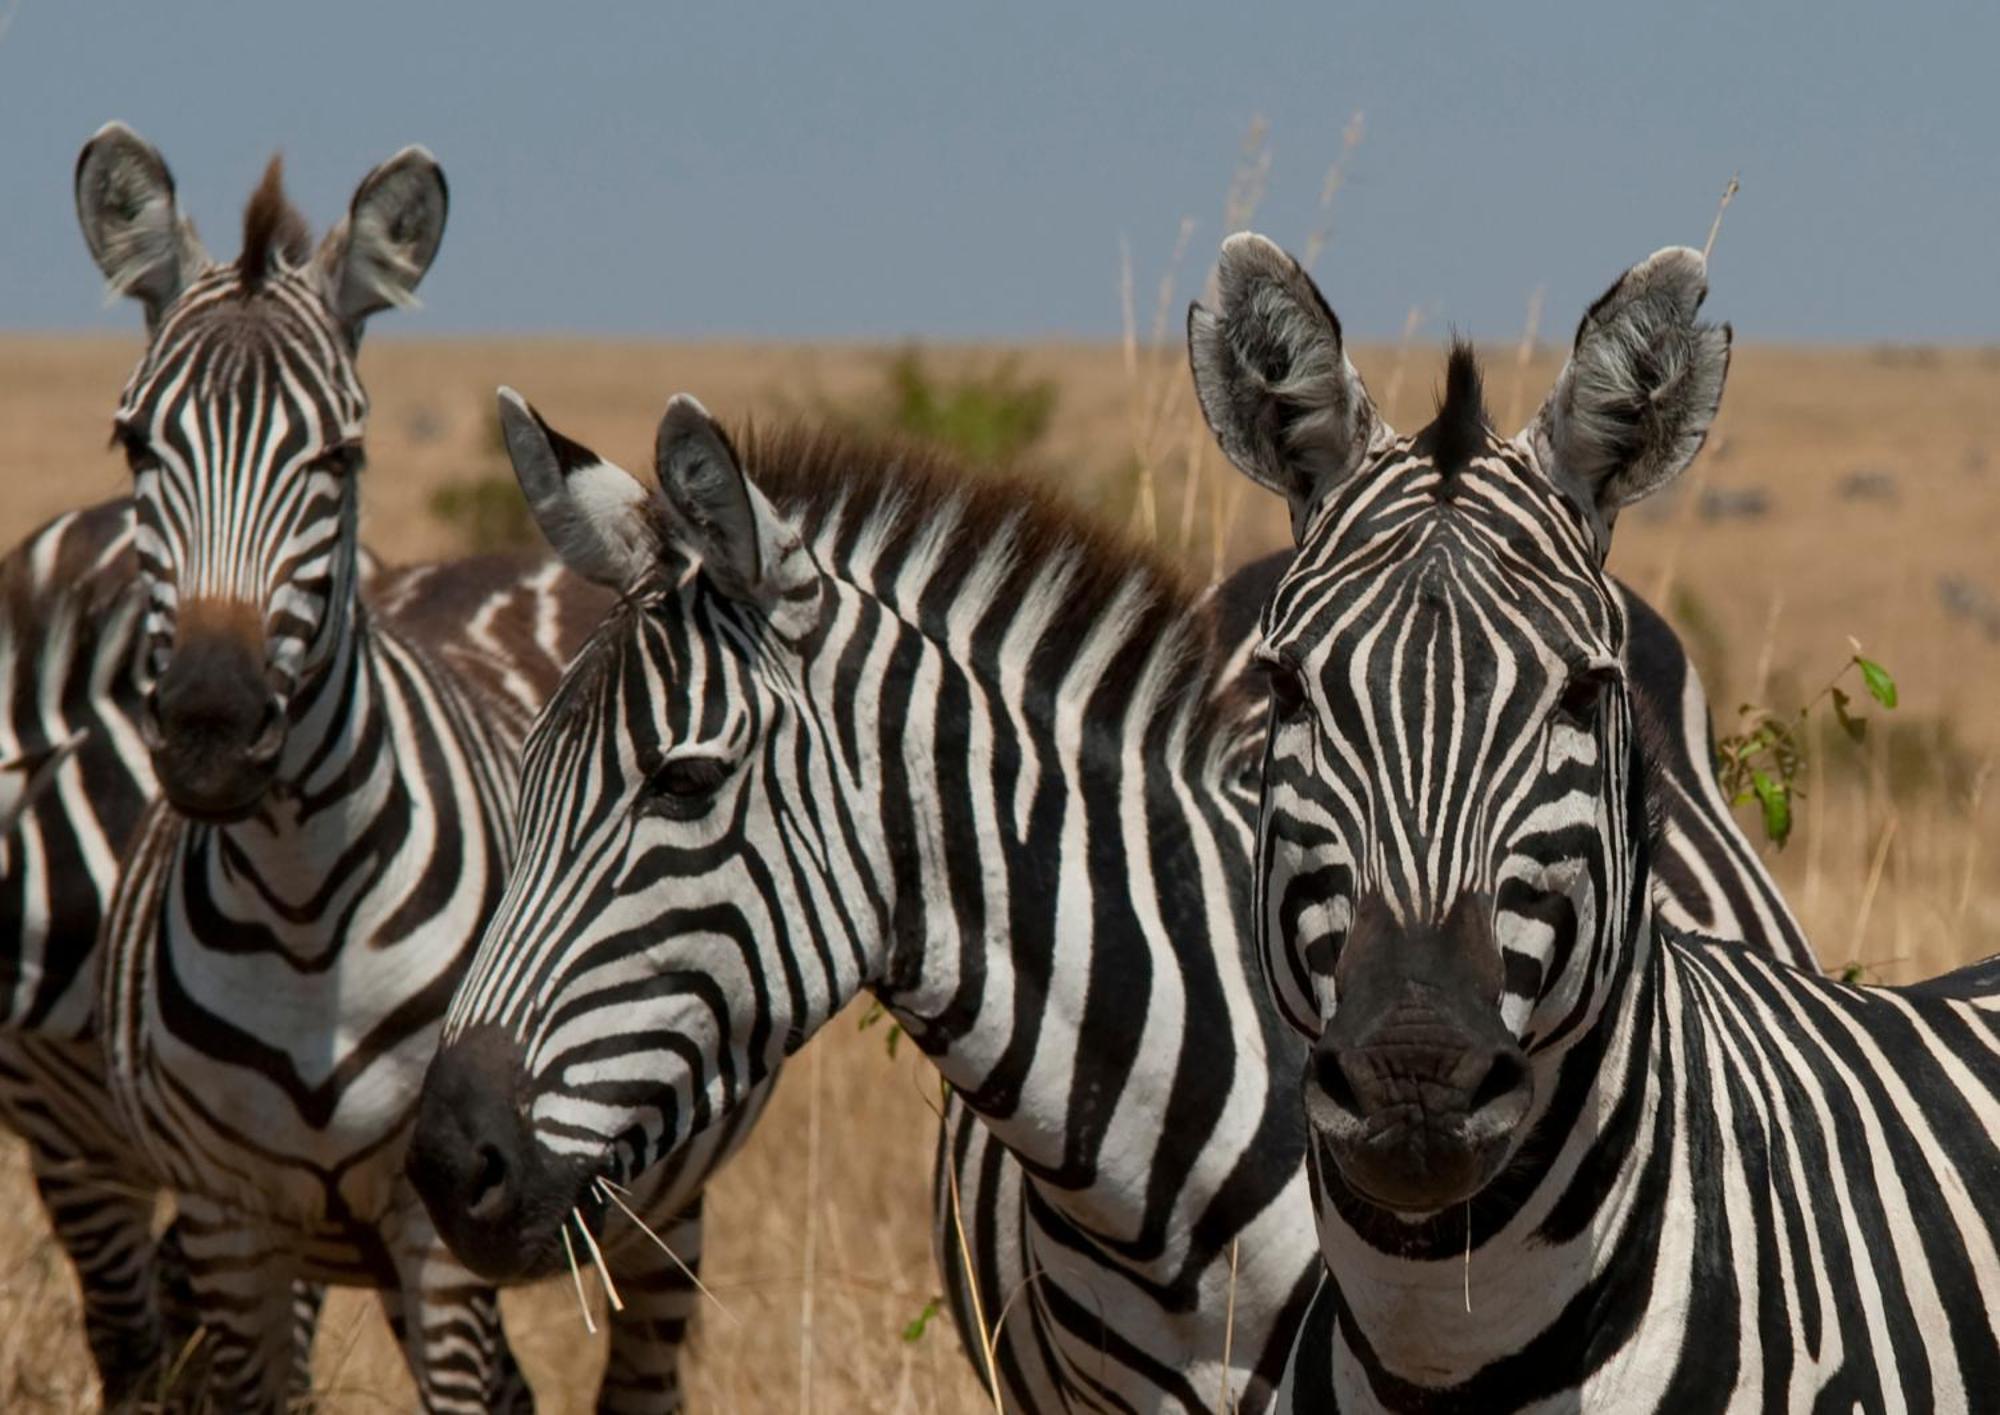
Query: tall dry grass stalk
point(1524, 354)
point(1392, 391)
point(810, 1279)
point(1715, 226)
point(1336, 177)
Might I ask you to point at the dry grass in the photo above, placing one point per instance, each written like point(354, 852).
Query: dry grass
point(1894, 863)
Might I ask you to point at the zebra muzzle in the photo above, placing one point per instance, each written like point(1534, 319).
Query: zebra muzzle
point(1416, 1090)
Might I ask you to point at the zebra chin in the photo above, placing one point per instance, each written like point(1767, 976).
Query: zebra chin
point(500, 1198)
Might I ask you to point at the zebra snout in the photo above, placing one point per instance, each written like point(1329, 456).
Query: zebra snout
point(498, 1198)
point(215, 728)
point(1417, 1091)
point(1419, 1115)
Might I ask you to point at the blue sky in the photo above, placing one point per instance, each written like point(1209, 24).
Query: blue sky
point(963, 170)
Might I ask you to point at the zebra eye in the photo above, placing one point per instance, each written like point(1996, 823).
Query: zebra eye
point(682, 783)
point(1288, 689)
point(139, 457)
point(1582, 696)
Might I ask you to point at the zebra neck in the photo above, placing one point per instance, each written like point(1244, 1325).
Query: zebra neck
point(1071, 929)
point(339, 768)
point(1542, 1294)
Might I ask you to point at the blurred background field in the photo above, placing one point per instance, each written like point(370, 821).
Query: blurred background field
point(1846, 492)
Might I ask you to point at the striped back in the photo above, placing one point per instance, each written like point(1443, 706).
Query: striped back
point(74, 775)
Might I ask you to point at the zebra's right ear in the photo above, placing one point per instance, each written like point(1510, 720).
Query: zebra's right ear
point(595, 515)
point(1273, 379)
point(131, 220)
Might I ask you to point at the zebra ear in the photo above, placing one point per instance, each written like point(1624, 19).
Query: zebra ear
point(131, 220)
point(378, 253)
point(1273, 379)
point(1634, 403)
point(597, 516)
point(747, 548)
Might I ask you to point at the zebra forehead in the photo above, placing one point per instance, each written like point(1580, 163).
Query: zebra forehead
point(221, 340)
point(1480, 572)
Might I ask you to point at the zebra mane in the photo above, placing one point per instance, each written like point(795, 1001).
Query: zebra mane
point(1457, 433)
point(272, 226)
point(901, 508)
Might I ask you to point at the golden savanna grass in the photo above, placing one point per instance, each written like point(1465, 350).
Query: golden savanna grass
point(1878, 474)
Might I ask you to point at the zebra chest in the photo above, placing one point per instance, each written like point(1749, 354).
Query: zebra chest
point(268, 1046)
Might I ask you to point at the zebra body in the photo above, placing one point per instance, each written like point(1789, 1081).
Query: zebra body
point(338, 783)
point(858, 724)
point(1564, 1154)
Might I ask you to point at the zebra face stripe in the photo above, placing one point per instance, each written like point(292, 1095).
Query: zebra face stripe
point(243, 427)
point(1442, 837)
point(641, 954)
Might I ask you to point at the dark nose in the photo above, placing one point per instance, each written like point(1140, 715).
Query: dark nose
point(1416, 1089)
point(215, 727)
point(497, 1198)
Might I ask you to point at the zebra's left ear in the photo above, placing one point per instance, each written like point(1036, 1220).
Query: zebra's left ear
point(595, 515)
point(1273, 378)
point(748, 549)
point(378, 253)
point(1635, 401)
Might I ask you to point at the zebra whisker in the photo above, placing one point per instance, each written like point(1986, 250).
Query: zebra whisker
point(612, 1191)
point(597, 1256)
point(576, 1276)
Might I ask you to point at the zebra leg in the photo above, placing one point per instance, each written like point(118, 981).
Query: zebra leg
point(643, 1370)
point(106, 1228)
point(239, 1276)
point(448, 1322)
point(180, 1319)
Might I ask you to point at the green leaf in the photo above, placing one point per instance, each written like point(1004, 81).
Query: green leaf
point(1851, 973)
point(914, 1330)
point(1776, 799)
point(895, 1035)
point(1856, 728)
point(1881, 687)
point(875, 1013)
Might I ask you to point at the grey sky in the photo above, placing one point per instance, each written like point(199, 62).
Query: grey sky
point(965, 170)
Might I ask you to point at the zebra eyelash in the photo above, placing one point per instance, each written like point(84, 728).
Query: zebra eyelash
point(1285, 686)
point(1582, 697)
point(684, 785)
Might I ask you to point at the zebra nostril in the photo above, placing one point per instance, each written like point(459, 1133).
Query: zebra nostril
point(1502, 1079)
point(489, 1187)
point(270, 732)
point(149, 720)
point(1334, 1082)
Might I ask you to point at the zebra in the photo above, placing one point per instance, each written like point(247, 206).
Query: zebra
point(337, 783)
point(73, 780)
point(858, 722)
point(1564, 1152)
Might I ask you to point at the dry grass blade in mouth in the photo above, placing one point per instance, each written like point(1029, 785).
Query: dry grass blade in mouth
point(611, 1192)
point(576, 1276)
point(597, 1257)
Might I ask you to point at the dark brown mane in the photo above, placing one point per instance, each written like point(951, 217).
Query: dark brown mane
point(807, 471)
point(272, 226)
point(903, 493)
point(1458, 433)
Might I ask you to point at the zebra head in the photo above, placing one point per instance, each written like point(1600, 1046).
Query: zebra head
point(242, 424)
point(1453, 829)
point(623, 997)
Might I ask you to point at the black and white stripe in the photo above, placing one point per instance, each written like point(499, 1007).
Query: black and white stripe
point(338, 783)
point(1563, 1151)
point(859, 724)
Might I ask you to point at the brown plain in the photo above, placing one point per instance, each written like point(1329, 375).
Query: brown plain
point(1845, 492)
